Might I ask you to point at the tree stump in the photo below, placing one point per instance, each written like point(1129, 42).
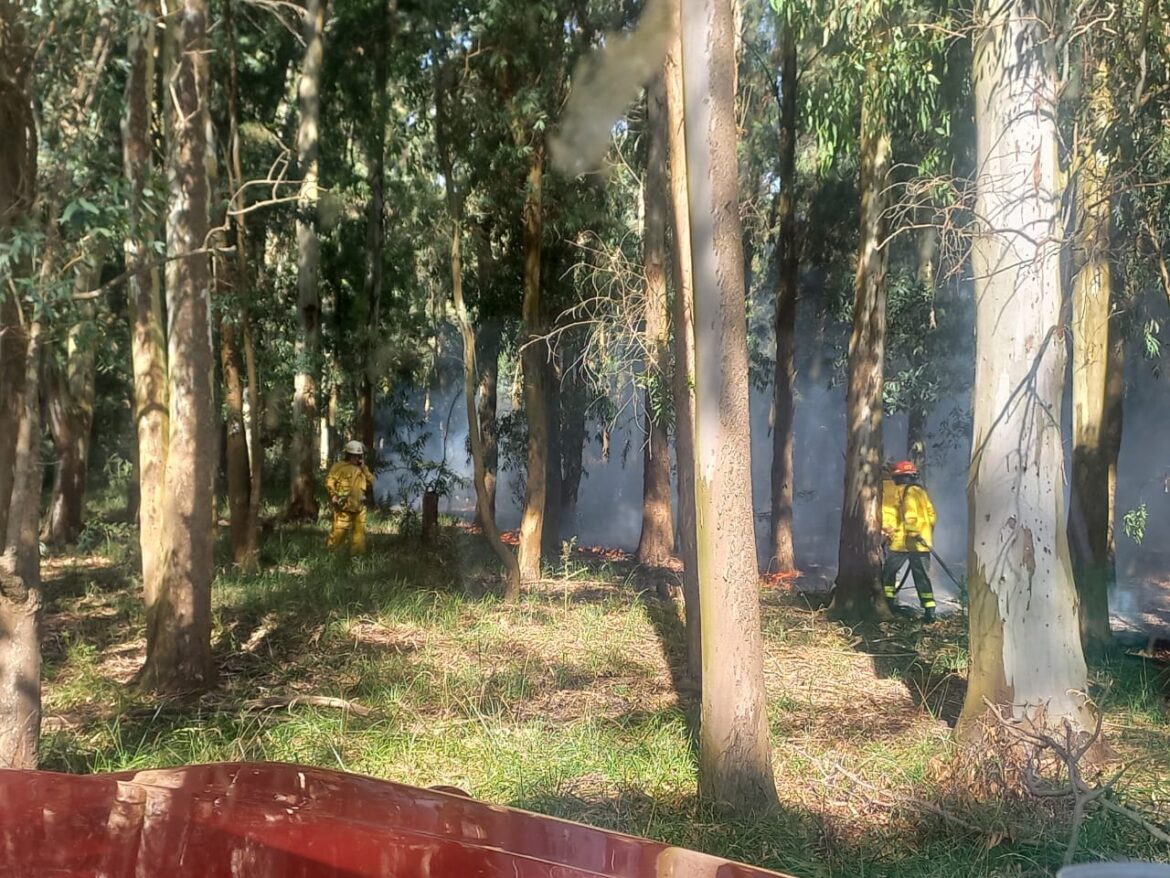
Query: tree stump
point(430, 515)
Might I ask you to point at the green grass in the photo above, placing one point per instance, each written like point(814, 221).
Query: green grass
point(565, 704)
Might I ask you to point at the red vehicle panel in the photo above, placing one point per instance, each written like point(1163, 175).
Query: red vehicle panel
point(265, 820)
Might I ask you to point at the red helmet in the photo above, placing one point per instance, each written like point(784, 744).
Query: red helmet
point(905, 468)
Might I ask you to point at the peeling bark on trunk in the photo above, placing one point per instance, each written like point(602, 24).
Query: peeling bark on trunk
point(69, 396)
point(535, 397)
point(735, 764)
point(656, 543)
point(148, 335)
point(682, 316)
point(783, 557)
point(858, 593)
point(1097, 387)
point(238, 475)
point(178, 626)
point(489, 381)
point(302, 503)
point(916, 418)
point(1026, 655)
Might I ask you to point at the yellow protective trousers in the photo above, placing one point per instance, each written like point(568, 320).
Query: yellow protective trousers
point(351, 525)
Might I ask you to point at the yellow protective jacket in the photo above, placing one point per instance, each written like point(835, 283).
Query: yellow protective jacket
point(347, 482)
point(908, 517)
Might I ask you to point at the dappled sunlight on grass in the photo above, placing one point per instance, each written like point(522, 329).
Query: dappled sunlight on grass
point(570, 702)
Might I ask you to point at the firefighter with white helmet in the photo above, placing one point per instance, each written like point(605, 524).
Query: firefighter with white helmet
point(347, 483)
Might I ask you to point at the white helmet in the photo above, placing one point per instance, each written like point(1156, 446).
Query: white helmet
point(354, 447)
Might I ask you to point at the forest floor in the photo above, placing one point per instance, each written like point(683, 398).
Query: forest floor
point(573, 703)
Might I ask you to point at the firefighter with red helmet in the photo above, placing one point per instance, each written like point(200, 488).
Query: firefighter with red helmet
point(908, 519)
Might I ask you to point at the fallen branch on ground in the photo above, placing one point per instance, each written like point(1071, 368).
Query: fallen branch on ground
point(273, 702)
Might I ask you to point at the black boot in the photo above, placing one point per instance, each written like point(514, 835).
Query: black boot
point(928, 616)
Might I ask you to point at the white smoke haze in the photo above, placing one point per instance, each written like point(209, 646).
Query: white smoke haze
point(609, 507)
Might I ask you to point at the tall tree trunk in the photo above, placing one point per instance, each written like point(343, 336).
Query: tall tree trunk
point(735, 761)
point(1026, 656)
point(148, 336)
point(916, 418)
point(13, 359)
point(20, 561)
point(178, 625)
point(69, 396)
point(551, 532)
point(302, 503)
point(488, 359)
point(375, 238)
point(784, 381)
point(484, 512)
point(682, 316)
point(858, 593)
point(535, 373)
point(238, 475)
point(246, 544)
point(1094, 453)
point(573, 405)
point(656, 544)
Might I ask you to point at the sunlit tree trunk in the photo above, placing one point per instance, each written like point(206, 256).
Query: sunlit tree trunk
point(178, 625)
point(916, 417)
point(656, 544)
point(735, 761)
point(238, 474)
point(1097, 387)
point(682, 317)
point(858, 593)
point(535, 373)
point(302, 502)
point(1026, 656)
point(784, 380)
point(69, 397)
point(148, 335)
point(20, 598)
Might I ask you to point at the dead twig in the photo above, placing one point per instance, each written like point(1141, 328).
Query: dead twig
point(274, 702)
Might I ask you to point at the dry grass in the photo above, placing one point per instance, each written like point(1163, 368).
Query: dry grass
point(572, 702)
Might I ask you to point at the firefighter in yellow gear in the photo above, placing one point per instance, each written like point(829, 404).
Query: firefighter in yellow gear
point(908, 520)
point(347, 483)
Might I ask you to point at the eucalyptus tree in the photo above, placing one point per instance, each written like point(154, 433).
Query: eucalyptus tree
point(1026, 656)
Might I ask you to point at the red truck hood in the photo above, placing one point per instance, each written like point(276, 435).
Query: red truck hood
point(263, 820)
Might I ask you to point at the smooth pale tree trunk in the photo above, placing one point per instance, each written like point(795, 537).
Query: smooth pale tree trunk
point(535, 373)
point(13, 357)
point(488, 360)
point(178, 625)
point(238, 475)
point(69, 397)
point(148, 335)
point(484, 511)
point(1094, 375)
point(916, 417)
point(302, 503)
point(1026, 656)
point(858, 595)
point(735, 760)
point(551, 532)
point(783, 557)
point(682, 317)
point(656, 543)
point(246, 545)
